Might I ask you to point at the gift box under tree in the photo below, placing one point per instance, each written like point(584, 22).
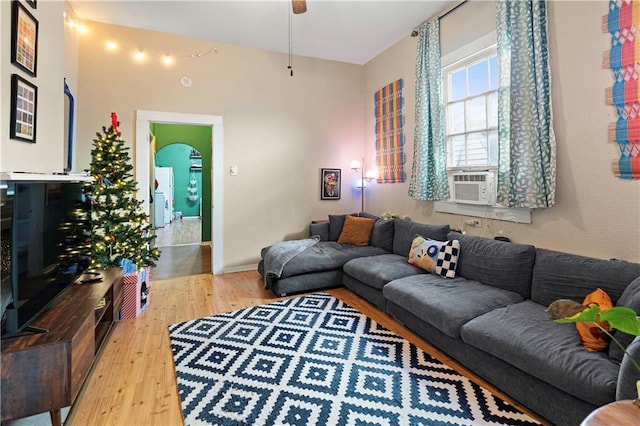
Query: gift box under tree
point(135, 289)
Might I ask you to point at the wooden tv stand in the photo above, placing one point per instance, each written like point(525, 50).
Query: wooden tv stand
point(45, 371)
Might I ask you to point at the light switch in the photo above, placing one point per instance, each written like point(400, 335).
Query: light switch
point(233, 170)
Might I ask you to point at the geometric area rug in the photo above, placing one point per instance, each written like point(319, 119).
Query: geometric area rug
point(314, 360)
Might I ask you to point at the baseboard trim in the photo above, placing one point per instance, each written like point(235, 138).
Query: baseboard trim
point(242, 268)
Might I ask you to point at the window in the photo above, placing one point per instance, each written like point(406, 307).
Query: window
point(471, 111)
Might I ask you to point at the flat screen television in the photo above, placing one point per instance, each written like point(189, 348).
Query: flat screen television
point(45, 246)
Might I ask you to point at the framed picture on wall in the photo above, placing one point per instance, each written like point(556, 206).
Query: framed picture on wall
point(24, 103)
point(24, 39)
point(330, 184)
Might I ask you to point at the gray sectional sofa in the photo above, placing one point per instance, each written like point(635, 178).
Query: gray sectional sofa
point(491, 317)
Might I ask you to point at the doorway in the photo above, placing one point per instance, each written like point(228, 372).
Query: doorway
point(180, 192)
point(144, 173)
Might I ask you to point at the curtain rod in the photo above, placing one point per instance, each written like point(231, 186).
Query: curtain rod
point(441, 15)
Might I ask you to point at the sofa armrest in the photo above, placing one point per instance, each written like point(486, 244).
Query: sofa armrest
point(321, 229)
point(629, 374)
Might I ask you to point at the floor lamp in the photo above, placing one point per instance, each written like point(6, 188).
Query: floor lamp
point(370, 176)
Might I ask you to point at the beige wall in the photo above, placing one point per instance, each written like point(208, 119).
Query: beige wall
point(279, 130)
point(595, 214)
point(46, 155)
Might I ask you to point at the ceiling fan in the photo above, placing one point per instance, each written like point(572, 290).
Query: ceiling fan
point(299, 6)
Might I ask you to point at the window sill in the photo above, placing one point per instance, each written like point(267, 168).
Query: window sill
point(488, 212)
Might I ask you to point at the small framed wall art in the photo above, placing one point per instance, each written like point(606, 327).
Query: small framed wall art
point(330, 184)
point(24, 39)
point(24, 103)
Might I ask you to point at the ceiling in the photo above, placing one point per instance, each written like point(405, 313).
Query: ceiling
point(353, 31)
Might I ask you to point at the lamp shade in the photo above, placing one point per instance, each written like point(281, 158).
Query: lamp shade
point(355, 165)
point(371, 174)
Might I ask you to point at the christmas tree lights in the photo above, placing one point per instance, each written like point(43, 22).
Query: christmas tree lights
point(120, 228)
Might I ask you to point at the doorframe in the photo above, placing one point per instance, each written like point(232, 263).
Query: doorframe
point(142, 171)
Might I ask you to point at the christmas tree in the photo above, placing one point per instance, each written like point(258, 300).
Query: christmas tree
point(120, 228)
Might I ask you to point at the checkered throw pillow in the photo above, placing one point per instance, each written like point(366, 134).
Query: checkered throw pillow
point(448, 259)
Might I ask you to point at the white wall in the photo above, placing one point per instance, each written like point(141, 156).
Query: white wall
point(596, 214)
point(46, 155)
point(279, 130)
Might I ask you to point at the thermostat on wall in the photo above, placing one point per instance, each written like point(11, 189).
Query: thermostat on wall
point(186, 81)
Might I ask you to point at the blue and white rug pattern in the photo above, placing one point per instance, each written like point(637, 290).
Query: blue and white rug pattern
point(313, 360)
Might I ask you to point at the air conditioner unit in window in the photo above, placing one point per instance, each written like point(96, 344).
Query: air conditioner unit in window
point(474, 188)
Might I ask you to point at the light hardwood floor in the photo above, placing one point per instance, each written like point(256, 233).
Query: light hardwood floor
point(133, 381)
point(187, 230)
point(185, 260)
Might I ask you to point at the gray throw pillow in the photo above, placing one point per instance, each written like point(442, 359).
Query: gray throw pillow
point(631, 299)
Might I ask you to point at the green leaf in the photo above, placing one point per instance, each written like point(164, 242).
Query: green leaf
point(623, 319)
point(588, 315)
point(620, 317)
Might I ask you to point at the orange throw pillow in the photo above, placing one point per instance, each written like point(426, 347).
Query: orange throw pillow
point(593, 339)
point(356, 230)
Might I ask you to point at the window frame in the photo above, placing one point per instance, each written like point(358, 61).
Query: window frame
point(474, 57)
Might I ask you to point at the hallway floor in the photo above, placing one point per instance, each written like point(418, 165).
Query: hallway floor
point(182, 252)
point(187, 230)
point(179, 261)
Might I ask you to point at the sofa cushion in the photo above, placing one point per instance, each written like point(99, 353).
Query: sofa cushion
point(325, 256)
point(525, 337)
point(307, 282)
point(356, 231)
point(436, 257)
point(336, 222)
point(558, 275)
point(423, 253)
point(321, 229)
point(365, 214)
point(495, 263)
point(405, 231)
point(448, 259)
point(382, 234)
point(629, 375)
point(631, 299)
point(446, 304)
point(592, 337)
point(377, 271)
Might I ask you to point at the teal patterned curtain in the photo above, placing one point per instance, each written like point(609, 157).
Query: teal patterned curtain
point(429, 173)
point(527, 158)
